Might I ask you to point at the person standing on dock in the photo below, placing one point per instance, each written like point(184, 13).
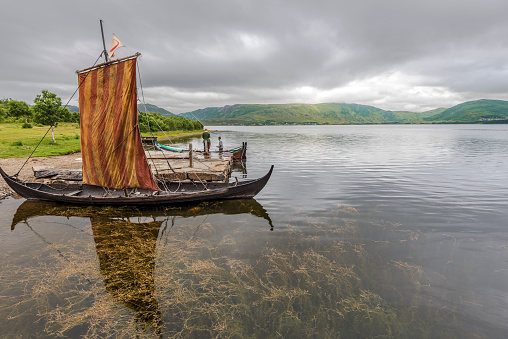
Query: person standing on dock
point(206, 141)
point(221, 147)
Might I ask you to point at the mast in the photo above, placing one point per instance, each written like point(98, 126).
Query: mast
point(104, 44)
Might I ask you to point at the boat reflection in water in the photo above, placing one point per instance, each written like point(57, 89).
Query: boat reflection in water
point(240, 166)
point(125, 244)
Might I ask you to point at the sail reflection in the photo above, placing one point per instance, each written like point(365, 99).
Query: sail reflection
point(125, 244)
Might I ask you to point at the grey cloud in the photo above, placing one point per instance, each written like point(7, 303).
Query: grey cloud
point(213, 53)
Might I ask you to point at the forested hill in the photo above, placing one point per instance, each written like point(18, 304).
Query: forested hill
point(302, 114)
point(141, 108)
point(155, 109)
point(479, 111)
point(73, 108)
point(474, 111)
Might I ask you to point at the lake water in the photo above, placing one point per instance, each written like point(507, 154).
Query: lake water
point(362, 231)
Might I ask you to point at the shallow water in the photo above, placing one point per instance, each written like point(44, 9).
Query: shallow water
point(362, 231)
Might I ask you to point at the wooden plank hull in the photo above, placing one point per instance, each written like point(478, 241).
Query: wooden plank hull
point(240, 153)
point(170, 193)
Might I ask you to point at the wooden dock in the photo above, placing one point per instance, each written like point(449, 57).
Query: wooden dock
point(164, 165)
point(181, 166)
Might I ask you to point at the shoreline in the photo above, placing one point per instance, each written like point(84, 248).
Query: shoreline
point(180, 136)
point(12, 166)
point(67, 161)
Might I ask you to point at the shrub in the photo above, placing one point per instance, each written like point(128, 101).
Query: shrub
point(26, 125)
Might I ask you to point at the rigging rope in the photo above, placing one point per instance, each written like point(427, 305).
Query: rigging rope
point(147, 116)
point(148, 123)
point(50, 127)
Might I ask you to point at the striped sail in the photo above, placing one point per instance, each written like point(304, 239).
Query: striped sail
point(111, 146)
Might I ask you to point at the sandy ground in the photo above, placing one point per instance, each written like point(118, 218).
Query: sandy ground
point(11, 166)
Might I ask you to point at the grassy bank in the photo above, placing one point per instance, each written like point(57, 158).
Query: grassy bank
point(18, 142)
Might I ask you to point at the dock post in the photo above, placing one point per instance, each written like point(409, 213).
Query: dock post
point(190, 155)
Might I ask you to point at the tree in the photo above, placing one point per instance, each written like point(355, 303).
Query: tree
point(18, 109)
point(65, 115)
point(4, 111)
point(158, 122)
point(48, 110)
point(74, 117)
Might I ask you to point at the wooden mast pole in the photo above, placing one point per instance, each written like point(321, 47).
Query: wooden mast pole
point(104, 44)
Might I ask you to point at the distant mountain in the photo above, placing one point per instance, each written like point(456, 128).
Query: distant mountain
point(479, 111)
point(474, 111)
point(407, 116)
point(141, 108)
point(435, 111)
point(73, 108)
point(301, 114)
point(155, 109)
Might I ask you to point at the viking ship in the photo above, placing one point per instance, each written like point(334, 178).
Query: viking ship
point(115, 167)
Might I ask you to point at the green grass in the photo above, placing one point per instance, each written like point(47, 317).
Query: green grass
point(18, 142)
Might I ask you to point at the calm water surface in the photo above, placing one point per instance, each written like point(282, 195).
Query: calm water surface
point(362, 231)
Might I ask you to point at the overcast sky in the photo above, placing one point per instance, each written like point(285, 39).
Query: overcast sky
point(392, 54)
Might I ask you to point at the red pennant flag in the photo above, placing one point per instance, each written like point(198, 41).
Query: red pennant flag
point(114, 45)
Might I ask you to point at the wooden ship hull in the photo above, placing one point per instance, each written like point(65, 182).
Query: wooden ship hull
point(170, 193)
point(240, 153)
